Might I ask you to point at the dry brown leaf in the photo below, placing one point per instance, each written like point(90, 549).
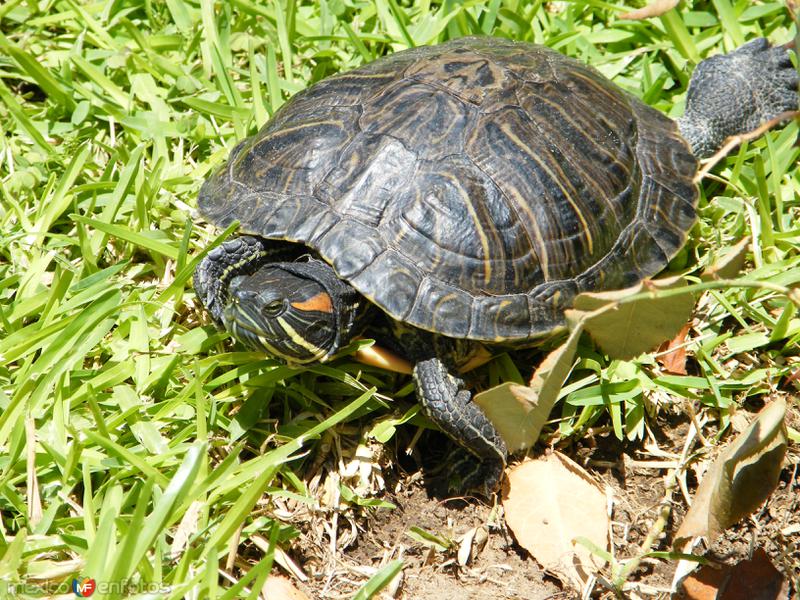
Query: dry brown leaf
point(278, 587)
point(465, 546)
point(739, 421)
point(729, 265)
point(754, 579)
point(741, 478)
point(654, 9)
point(705, 584)
point(35, 512)
point(550, 502)
point(674, 358)
point(519, 412)
point(186, 529)
point(625, 323)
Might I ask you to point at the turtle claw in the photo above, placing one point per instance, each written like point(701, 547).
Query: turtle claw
point(780, 56)
point(779, 81)
point(467, 475)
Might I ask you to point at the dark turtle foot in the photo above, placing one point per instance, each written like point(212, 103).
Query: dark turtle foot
point(736, 92)
point(450, 406)
point(465, 473)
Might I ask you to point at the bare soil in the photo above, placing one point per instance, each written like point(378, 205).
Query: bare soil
point(497, 567)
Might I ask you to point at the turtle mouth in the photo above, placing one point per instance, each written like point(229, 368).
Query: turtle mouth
point(280, 340)
point(246, 331)
point(234, 320)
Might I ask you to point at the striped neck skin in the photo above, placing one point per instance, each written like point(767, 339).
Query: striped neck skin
point(299, 312)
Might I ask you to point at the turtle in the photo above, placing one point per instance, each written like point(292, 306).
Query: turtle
point(462, 195)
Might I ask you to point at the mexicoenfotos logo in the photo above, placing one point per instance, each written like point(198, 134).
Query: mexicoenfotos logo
point(84, 588)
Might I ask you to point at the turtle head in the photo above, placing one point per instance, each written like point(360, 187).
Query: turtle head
point(284, 313)
point(300, 312)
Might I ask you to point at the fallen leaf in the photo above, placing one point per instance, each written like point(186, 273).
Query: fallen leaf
point(515, 412)
point(552, 372)
point(672, 354)
point(753, 579)
point(705, 583)
point(654, 9)
point(739, 421)
point(277, 587)
point(186, 529)
point(552, 501)
point(626, 323)
point(756, 579)
point(281, 558)
point(519, 412)
point(741, 478)
point(465, 546)
point(730, 264)
point(793, 376)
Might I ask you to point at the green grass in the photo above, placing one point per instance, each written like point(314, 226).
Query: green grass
point(136, 442)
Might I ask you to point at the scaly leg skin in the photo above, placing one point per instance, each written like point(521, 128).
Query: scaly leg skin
point(735, 93)
point(450, 406)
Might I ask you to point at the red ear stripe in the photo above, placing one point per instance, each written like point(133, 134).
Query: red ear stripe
point(321, 302)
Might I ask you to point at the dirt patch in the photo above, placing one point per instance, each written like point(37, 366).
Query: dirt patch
point(496, 569)
point(429, 533)
point(633, 472)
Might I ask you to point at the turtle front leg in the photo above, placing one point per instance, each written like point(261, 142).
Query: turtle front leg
point(734, 93)
point(448, 404)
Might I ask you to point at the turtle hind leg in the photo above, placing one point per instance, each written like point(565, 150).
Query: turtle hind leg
point(448, 404)
point(734, 93)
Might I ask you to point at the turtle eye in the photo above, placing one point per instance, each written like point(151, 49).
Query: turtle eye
point(274, 308)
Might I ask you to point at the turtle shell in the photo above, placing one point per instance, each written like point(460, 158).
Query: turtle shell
point(471, 188)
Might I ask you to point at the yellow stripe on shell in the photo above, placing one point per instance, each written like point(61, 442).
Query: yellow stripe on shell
point(555, 179)
point(487, 261)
